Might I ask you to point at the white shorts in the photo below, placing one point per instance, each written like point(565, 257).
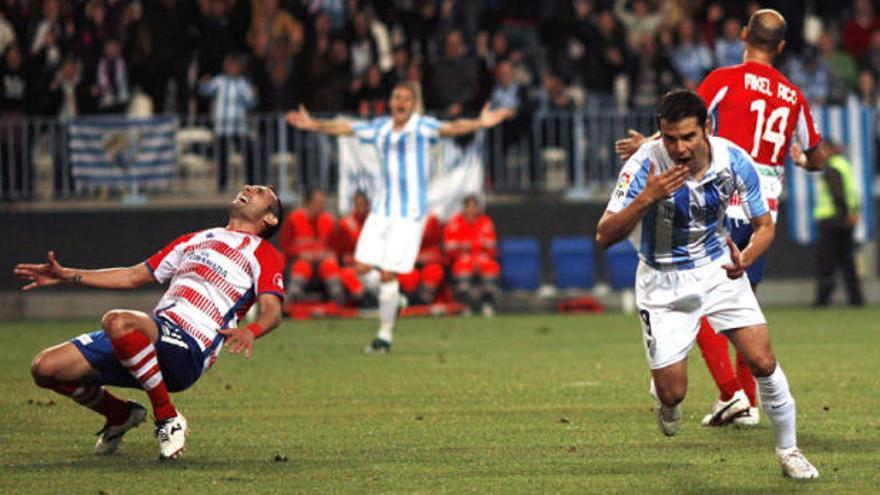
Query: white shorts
point(671, 302)
point(390, 244)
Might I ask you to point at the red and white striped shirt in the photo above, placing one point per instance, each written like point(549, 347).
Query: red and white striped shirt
point(216, 275)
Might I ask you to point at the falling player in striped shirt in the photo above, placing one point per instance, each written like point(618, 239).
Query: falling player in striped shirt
point(392, 234)
point(670, 200)
point(215, 276)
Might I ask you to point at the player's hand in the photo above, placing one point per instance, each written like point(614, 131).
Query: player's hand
point(627, 147)
point(41, 274)
point(301, 119)
point(798, 156)
point(491, 118)
point(736, 267)
point(660, 186)
point(238, 340)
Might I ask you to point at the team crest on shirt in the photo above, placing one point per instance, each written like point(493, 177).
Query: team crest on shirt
point(724, 184)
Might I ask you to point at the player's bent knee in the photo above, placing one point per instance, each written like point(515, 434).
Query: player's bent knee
point(117, 323)
point(671, 396)
point(44, 369)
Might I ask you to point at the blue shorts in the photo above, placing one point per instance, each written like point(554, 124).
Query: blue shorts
point(180, 358)
point(741, 233)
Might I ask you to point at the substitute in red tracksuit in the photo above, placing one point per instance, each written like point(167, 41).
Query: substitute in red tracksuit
point(422, 283)
point(470, 243)
point(345, 238)
point(305, 242)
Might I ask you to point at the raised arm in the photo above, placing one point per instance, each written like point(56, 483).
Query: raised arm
point(52, 273)
point(488, 118)
point(627, 147)
point(615, 226)
point(301, 119)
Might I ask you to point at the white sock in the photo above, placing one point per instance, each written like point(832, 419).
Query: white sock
point(779, 406)
point(389, 294)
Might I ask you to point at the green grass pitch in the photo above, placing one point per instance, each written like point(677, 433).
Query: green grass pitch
point(514, 404)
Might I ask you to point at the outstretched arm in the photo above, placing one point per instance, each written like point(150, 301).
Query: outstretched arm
point(488, 118)
point(52, 273)
point(614, 226)
point(302, 119)
point(242, 339)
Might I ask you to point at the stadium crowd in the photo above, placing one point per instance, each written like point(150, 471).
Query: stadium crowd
point(457, 259)
point(94, 56)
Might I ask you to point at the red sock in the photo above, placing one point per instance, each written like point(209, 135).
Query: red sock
point(745, 378)
point(717, 357)
point(97, 399)
point(137, 354)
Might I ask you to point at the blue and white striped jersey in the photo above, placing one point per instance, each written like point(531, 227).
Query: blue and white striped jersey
point(686, 229)
point(233, 96)
point(405, 162)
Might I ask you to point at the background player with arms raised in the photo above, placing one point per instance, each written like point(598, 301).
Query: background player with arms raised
point(392, 233)
point(757, 108)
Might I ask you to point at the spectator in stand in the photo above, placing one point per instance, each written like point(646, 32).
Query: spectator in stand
point(362, 45)
point(40, 69)
point(866, 92)
point(15, 168)
point(344, 239)
point(640, 19)
point(730, 46)
point(169, 26)
point(67, 95)
point(554, 95)
point(277, 75)
point(111, 80)
point(858, 28)
point(218, 34)
point(270, 22)
point(691, 57)
point(400, 61)
point(470, 244)
point(305, 242)
point(92, 34)
point(51, 29)
point(809, 72)
point(330, 77)
point(605, 59)
point(454, 80)
point(843, 72)
point(871, 59)
point(423, 282)
point(7, 32)
point(371, 97)
point(650, 74)
point(232, 96)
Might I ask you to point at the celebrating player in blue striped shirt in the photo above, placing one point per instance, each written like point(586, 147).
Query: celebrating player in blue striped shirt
point(671, 199)
point(392, 233)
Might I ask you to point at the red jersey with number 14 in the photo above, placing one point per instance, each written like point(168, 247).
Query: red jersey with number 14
point(757, 108)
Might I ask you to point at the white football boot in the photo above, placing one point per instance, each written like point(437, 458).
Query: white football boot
point(795, 465)
point(750, 418)
point(668, 418)
point(110, 436)
point(723, 412)
point(172, 436)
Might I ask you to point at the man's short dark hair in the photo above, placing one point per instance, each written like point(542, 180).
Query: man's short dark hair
point(680, 104)
point(766, 30)
point(469, 198)
point(310, 193)
point(276, 209)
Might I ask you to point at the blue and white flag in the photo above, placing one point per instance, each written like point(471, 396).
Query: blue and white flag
point(119, 151)
point(852, 126)
point(455, 172)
